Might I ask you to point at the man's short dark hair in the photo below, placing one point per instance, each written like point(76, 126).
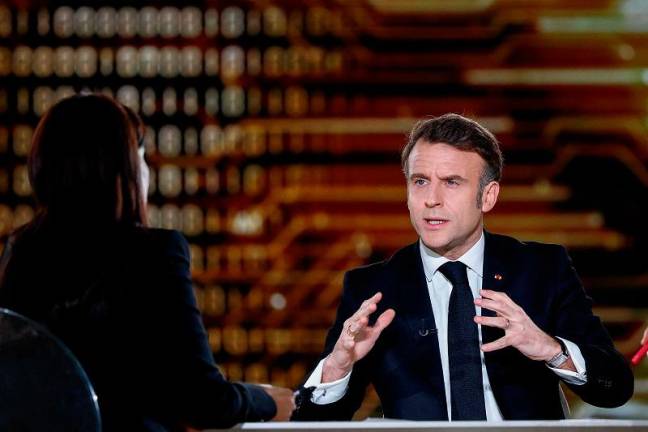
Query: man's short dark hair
point(463, 134)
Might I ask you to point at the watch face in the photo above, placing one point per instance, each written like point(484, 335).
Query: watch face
point(561, 357)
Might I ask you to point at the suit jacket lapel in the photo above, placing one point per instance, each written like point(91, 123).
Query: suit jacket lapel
point(495, 278)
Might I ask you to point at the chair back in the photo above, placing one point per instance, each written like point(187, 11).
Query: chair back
point(42, 385)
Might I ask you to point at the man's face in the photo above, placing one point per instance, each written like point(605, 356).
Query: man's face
point(442, 187)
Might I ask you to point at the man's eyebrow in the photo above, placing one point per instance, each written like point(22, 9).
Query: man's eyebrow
point(419, 175)
point(453, 177)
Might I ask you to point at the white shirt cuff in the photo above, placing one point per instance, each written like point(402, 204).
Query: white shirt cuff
point(580, 376)
point(326, 393)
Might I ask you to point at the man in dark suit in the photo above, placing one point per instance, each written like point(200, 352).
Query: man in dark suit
point(463, 324)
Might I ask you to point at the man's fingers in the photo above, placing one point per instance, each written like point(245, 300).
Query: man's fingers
point(371, 300)
point(360, 320)
point(356, 326)
point(495, 345)
point(489, 304)
point(501, 298)
point(494, 295)
point(499, 322)
point(368, 306)
point(384, 320)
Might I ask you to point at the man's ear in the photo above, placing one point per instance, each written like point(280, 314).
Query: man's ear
point(489, 196)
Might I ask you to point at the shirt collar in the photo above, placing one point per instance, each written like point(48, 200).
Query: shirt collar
point(473, 258)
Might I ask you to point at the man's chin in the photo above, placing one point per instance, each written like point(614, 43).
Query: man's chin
point(435, 244)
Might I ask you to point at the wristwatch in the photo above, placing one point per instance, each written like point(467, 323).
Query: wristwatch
point(559, 358)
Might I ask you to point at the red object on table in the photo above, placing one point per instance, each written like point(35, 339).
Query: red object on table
point(639, 354)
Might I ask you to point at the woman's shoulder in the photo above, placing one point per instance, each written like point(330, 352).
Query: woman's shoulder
point(152, 242)
point(154, 236)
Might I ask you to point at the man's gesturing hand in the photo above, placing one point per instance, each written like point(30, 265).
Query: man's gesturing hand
point(520, 331)
point(356, 339)
point(284, 399)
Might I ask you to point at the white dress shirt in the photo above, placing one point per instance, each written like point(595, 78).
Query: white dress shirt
point(439, 289)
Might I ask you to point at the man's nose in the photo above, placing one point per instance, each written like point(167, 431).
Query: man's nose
point(432, 197)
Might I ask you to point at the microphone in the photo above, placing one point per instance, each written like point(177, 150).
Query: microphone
point(427, 327)
point(639, 354)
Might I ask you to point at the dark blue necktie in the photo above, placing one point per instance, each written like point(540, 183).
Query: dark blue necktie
point(466, 388)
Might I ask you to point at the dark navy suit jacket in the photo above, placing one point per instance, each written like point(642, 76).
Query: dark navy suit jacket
point(405, 365)
point(121, 299)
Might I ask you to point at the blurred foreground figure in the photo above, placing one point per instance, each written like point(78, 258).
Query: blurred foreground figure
point(117, 293)
point(463, 324)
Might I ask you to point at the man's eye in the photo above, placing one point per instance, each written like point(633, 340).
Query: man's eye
point(452, 182)
point(419, 182)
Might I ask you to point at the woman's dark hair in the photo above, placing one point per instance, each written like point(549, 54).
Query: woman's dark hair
point(137, 123)
point(84, 166)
